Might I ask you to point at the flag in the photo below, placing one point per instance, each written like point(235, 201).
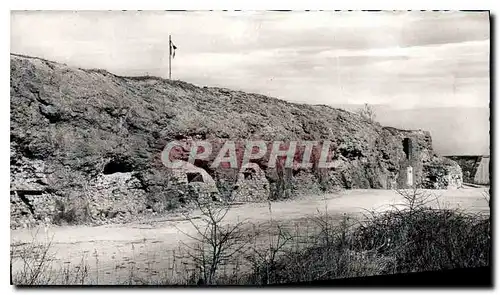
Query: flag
point(172, 49)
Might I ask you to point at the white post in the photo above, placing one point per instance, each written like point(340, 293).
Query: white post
point(409, 176)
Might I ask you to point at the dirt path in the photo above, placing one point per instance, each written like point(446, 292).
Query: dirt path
point(152, 244)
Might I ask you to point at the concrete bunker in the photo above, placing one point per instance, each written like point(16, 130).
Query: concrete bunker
point(442, 173)
point(251, 184)
point(475, 168)
point(195, 180)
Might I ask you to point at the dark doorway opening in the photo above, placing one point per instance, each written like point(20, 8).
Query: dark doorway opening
point(407, 148)
point(248, 173)
point(117, 166)
point(194, 177)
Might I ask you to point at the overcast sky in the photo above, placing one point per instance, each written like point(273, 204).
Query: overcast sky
point(400, 59)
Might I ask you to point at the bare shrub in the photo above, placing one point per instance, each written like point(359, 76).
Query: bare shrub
point(414, 198)
point(215, 243)
point(35, 262)
point(421, 238)
point(327, 255)
point(263, 259)
point(317, 253)
point(412, 238)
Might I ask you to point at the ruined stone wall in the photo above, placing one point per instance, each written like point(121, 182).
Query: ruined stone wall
point(116, 196)
point(30, 210)
point(475, 169)
point(30, 203)
point(34, 199)
point(442, 173)
point(306, 183)
point(251, 185)
point(415, 151)
point(195, 181)
point(429, 170)
point(469, 166)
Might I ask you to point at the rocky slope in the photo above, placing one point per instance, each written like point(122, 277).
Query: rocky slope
point(86, 144)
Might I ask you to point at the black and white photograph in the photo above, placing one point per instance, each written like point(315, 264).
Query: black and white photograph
point(204, 148)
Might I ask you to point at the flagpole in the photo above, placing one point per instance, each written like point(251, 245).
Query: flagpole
point(170, 57)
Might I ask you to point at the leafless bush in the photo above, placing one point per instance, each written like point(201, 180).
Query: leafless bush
point(410, 238)
point(263, 258)
point(215, 243)
point(327, 254)
point(35, 264)
point(35, 259)
point(421, 238)
point(414, 198)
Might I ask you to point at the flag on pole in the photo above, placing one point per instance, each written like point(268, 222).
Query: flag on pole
point(172, 49)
